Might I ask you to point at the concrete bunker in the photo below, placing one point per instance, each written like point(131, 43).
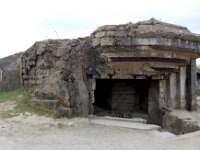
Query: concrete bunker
point(150, 70)
point(142, 68)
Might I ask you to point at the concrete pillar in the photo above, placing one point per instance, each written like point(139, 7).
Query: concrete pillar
point(162, 93)
point(92, 87)
point(182, 88)
point(192, 78)
point(153, 107)
point(172, 90)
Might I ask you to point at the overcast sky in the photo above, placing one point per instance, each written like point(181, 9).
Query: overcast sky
point(22, 22)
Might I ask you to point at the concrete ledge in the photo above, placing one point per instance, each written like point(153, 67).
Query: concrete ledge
point(138, 120)
point(50, 104)
point(181, 121)
point(125, 123)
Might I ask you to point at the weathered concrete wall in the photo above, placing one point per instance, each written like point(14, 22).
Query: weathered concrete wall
point(151, 32)
point(10, 72)
point(61, 68)
point(123, 97)
point(10, 79)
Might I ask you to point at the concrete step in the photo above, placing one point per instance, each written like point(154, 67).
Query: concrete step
point(138, 120)
point(133, 123)
point(51, 104)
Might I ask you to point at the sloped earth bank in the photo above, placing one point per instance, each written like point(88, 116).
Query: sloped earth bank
point(33, 132)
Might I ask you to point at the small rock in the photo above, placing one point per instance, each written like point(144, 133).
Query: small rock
point(70, 123)
point(65, 111)
point(60, 125)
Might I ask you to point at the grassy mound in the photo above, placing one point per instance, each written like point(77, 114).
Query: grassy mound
point(22, 98)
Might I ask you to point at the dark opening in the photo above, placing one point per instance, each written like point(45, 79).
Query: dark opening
point(121, 97)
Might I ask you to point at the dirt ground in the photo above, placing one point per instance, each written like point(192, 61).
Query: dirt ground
point(33, 132)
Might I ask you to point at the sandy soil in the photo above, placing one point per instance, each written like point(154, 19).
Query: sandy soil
point(33, 132)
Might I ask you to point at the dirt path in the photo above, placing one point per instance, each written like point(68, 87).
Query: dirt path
point(33, 132)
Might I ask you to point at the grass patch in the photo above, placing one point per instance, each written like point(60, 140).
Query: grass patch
point(22, 97)
point(198, 90)
point(11, 95)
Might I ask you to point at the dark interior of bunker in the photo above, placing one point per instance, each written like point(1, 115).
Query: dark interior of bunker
point(124, 98)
